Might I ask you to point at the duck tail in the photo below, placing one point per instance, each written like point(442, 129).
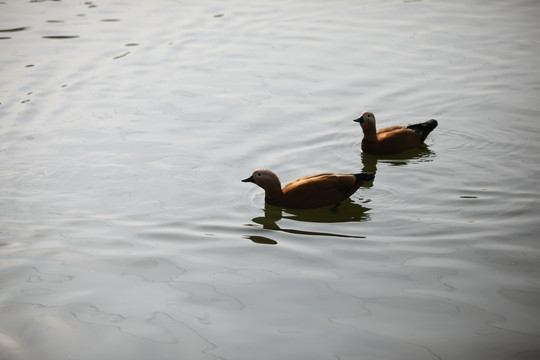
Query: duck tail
point(362, 177)
point(425, 128)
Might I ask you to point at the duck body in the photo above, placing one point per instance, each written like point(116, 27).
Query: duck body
point(308, 191)
point(392, 139)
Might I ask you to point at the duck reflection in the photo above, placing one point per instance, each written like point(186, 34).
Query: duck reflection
point(416, 155)
point(345, 211)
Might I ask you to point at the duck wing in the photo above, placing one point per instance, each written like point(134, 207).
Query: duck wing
point(322, 189)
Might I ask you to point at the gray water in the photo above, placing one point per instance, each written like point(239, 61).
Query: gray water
point(126, 128)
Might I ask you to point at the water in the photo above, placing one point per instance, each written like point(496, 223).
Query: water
point(127, 127)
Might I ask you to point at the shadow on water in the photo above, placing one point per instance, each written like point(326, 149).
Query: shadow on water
point(22, 28)
point(346, 211)
point(420, 154)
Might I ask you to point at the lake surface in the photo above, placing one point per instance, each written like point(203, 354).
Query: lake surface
point(126, 127)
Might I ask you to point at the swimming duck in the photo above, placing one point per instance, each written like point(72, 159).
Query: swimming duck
point(392, 139)
point(308, 191)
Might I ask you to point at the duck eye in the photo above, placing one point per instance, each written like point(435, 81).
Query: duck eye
point(259, 174)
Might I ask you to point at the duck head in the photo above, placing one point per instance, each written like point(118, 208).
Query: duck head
point(367, 118)
point(265, 178)
point(367, 122)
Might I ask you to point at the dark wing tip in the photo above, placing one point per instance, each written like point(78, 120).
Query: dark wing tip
point(424, 128)
point(364, 177)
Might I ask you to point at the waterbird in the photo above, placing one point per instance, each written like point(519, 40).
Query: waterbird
point(308, 191)
point(392, 139)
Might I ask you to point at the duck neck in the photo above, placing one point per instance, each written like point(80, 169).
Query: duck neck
point(370, 133)
point(273, 193)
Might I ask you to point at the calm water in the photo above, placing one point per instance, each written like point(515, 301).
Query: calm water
point(126, 128)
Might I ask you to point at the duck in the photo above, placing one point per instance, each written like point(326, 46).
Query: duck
point(308, 191)
point(393, 139)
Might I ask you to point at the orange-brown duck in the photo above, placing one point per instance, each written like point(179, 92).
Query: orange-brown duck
point(308, 191)
point(392, 139)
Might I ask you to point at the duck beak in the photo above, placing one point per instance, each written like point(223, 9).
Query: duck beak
point(360, 120)
point(249, 179)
